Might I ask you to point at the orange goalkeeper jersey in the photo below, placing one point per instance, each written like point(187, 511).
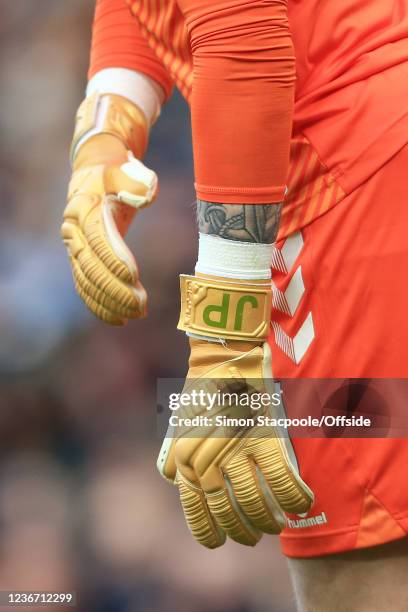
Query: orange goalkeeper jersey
point(350, 113)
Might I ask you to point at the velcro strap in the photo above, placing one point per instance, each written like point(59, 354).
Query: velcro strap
point(110, 114)
point(219, 308)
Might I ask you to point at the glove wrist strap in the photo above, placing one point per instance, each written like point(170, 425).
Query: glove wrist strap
point(223, 308)
point(110, 114)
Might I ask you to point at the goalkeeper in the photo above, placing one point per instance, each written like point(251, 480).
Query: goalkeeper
point(252, 136)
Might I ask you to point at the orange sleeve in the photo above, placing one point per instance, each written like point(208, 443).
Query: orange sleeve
point(242, 98)
point(117, 42)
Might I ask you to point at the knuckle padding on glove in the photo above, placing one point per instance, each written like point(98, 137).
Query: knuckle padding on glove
point(77, 240)
point(86, 291)
point(105, 281)
point(99, 245)
point(231, 519)
point(245, 496)
point(98, 296)
point(270, 458)
point(198, 517)
point(250, 496)
point(213, 483)
point(102, 268)
point(96, 308)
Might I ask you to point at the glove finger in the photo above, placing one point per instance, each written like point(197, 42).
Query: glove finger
point(101, 233)
point(229, 516)
point(78, 239)
point(270, 455)
point(130, 298)
point(198, 517)
point(97, 309)
point(98, 281)
point(166, 461)
point(132, 183)
point(98, 297)
point(253, 494)
point(94, 225)
point(199, 458)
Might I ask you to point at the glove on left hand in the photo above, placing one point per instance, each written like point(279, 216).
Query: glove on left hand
point(233, 481)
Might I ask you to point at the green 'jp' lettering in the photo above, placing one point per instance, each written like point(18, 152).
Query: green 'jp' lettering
point(239, 315)
point(222, 311)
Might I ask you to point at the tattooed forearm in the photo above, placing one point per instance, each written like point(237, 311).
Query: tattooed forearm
point(243, 222)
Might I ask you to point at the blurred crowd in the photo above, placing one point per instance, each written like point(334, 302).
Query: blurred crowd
point(81, 505)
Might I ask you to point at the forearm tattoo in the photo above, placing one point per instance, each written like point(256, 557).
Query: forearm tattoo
point(241, 222)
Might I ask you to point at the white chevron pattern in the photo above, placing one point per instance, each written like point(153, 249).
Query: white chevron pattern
point(295, 290)
point(284, 341)
point(288, 301)
point(278, 263)
point(279, 301)
point(283, 259)
point(296, 347)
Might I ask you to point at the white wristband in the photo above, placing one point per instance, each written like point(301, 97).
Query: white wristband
point(131, 84)
point(231, 259)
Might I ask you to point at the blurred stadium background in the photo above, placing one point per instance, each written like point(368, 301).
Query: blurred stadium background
point(81, 505)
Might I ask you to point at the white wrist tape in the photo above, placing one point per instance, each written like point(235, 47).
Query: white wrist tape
point(131, 84)
point(232, 259)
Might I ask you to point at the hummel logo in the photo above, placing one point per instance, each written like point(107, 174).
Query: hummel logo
point(319, 519)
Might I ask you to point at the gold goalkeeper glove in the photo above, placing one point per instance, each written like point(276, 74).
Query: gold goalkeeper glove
point(235, 481)
point(109, 185)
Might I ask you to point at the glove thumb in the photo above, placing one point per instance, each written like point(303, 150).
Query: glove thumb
point(166, 462)
point(132, 183)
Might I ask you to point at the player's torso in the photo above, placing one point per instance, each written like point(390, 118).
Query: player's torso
point(333, 39)
point(342, 40)
point(352, 82)
point(350, 113)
